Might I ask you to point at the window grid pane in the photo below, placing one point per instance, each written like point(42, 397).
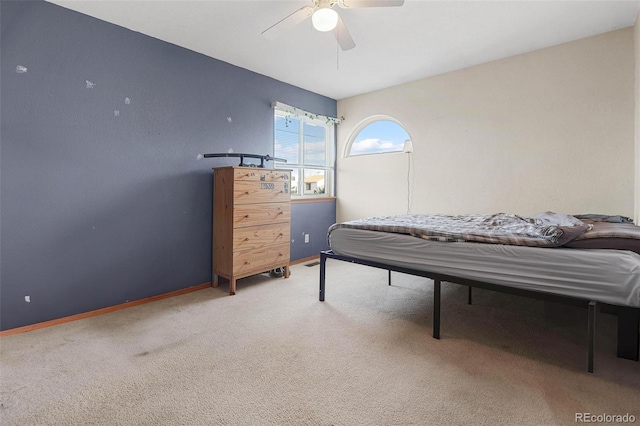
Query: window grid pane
point(295, 181)
point(287, 139)
point(314, 181)
point(315, 145)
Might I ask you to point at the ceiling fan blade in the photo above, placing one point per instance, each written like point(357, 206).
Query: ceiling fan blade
point(345, 41)
point(285, 24)
point(354, 4)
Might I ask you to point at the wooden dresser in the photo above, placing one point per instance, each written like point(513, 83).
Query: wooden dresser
point(251, 222)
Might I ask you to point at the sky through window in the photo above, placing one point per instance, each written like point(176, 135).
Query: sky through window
point(379, 137)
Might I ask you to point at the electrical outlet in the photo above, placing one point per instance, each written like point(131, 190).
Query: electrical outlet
point(306, 238)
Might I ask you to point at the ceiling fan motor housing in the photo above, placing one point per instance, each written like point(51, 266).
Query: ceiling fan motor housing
point(325, 19)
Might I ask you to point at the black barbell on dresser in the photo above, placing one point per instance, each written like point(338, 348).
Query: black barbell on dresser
point(262, 158)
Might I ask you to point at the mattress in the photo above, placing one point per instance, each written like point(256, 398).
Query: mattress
point(608, 276)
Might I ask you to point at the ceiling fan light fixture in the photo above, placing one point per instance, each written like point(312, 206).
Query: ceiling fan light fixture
point(324, 19)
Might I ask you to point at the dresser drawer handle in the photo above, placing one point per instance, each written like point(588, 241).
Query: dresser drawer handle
point(247, 192)
point(247, 263)
point(246, 216)
point(280, 213)
point(246, 239)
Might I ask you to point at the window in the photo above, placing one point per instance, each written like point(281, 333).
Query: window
point(307, 142)
point(377, 135)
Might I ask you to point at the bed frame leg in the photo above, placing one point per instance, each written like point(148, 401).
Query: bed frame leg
point(470, 295)
point(323, 262)
point(592, 334)
point(436, 308)
point(628, 332)
point(389, 276)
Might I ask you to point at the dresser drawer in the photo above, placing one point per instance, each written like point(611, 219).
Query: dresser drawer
point(256, 237)
point(261, 214)
point(260, 260)
point(260, 192)
point(261, 175)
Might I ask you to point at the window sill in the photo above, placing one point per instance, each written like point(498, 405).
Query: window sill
point(303, 200)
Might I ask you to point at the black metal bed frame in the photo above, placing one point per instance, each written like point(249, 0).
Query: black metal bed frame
point(628, 317)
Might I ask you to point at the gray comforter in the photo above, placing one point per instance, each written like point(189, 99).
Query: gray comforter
point(546, 229)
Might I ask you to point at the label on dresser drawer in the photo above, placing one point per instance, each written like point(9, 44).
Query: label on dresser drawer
point(260, 260)
point(261, 175)
point(260, 192)
point(261, 214)
point(260, 236)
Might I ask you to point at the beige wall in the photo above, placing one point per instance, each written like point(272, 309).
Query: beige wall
point(547, 130)
point(636, 39)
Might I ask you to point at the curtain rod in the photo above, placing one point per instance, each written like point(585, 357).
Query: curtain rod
point(298, 112)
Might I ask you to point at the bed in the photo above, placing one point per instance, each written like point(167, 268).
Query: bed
point(585, 260)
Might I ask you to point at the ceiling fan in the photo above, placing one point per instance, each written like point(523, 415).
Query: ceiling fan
point(325, 18)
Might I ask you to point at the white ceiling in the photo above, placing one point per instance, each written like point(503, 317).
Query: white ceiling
point(393, 45)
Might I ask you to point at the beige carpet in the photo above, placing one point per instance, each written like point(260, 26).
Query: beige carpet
point(274, 355)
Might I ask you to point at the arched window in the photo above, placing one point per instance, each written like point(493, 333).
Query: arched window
point(377, 135)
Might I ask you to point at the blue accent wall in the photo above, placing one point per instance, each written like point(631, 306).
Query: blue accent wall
point(314, 219)
point(104, 196)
